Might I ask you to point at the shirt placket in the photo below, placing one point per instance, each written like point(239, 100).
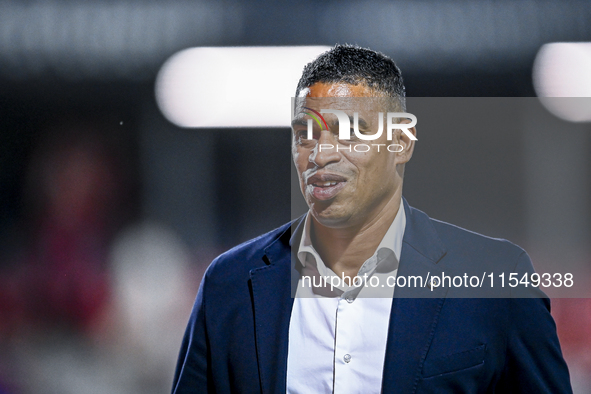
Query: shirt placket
point(344, 357)
point(346, 336)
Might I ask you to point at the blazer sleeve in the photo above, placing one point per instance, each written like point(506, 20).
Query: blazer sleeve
point(193, 372)
point(534, 361)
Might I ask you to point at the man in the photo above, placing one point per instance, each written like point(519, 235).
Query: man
point(259, 325)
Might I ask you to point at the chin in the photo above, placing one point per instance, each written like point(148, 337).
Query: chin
point(331, 217)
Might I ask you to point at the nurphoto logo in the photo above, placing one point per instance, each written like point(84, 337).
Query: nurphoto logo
point(344, 122)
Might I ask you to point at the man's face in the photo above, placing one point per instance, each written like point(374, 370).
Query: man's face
point(346, 188)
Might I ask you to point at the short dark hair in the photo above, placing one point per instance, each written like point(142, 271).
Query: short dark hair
point(355, 65)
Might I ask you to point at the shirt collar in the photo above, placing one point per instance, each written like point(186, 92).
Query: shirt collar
point(390, 243)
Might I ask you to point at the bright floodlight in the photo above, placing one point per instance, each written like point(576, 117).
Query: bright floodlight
point(232, 86)
point(562, 80)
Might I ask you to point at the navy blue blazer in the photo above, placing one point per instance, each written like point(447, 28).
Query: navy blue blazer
point(237, 337)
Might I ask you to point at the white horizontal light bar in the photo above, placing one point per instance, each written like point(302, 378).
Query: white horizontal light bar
point(232, 86)
point(562, 79)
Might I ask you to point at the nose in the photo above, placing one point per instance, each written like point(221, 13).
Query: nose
point(325, 151)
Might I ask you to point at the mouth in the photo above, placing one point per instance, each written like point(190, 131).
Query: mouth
point(325, 186)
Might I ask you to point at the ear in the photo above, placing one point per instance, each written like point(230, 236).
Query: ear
point(408, 145)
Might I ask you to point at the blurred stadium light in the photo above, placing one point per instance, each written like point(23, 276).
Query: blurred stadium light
point(232, 86)
point(562, 80)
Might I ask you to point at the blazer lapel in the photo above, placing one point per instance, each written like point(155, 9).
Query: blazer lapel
point(414, 310)
point(273, 302)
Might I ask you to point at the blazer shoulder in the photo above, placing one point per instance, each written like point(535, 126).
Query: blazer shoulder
point(453, 235)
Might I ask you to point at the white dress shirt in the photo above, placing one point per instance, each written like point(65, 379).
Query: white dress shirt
point(337, 339)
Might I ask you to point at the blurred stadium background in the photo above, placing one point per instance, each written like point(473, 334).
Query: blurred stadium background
point(109, 213)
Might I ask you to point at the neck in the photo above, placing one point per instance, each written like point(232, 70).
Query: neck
point(344, 250)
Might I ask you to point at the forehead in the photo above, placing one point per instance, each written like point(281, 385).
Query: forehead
point(339, 89)
point(342, 96)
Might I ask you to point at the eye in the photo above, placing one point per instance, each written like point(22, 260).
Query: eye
point(303, 134)
point(362, 131)
point(353, 135)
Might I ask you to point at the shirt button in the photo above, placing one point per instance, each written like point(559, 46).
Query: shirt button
point(347, 358)
point(350, 300)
